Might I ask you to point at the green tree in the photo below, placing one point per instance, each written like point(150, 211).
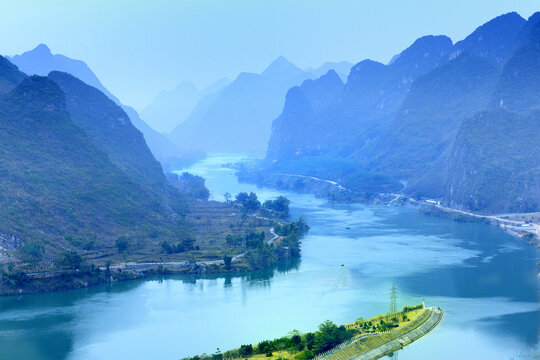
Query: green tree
point(228, 261)
point(188, 242)
point(280, 204)
point(69, 260)
point(248, 201)
point(122, 244)
point(32, 251)
point(246, 350)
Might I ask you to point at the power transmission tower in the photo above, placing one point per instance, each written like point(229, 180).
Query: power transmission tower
point(393, 299)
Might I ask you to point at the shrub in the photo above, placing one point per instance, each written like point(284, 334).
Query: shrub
point(122, 244)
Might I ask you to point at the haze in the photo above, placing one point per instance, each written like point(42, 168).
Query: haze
point(139, 48)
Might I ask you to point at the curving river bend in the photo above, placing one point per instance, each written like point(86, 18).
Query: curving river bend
point(484, 279)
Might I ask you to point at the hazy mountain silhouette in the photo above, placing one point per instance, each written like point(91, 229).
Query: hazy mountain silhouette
point(342, 68)
point(239, 118)
point(40, 61)
point(171, 108)
point(494, 165)
point(495, 41)
point(416, 145)
point(10, 75)
point(411, 119)
point(363, 107)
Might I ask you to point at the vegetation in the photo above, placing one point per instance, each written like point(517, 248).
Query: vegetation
point(191, 186)
point(280, 206)
point(348, 173)
point(60, 191)
point(262, 253)
point(306, 346)
point(249, 202)
point(69, 260)
point(76, 196)
point(500, 148)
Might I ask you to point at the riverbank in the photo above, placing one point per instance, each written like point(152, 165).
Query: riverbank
point(20, 282)
point(488, 288)
point(236, 240)
point(525, 226)
point(375, 347)
point(363, 339)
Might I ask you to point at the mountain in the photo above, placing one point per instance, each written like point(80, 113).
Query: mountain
point(519, 85)
point(342, 68)
point(417, 142)
point(40, 61)
point(171, 156)
point(495, 41)
point(240, 117)
point(171, 108)
point(110, 129)
point(360, 111)
point(302, 105)
point(58, 189)
point(494, 165)
point(454, 122)
point(10, 75)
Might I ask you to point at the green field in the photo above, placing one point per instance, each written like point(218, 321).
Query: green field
point(330, 341)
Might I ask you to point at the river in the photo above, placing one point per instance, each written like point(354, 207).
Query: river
point(484, 279)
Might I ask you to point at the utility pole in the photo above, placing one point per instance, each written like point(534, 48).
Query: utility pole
point(393, 299)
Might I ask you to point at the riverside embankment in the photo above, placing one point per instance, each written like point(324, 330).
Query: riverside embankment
point(371, 347)
point(483, 278)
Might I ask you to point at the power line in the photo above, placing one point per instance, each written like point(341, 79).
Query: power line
point(393, 299)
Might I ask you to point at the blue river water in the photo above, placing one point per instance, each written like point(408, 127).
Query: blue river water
point(485, 280)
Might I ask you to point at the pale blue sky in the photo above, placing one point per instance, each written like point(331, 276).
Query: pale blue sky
point(138, 48)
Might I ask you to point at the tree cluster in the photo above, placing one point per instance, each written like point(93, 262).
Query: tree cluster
point(250, 202)
point(191, 186)
point(279, 205)
point(306, 345)
point(187, 244)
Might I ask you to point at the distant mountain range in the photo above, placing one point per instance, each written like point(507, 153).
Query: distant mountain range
point(238, 119)
point(212, 119)
point(413, 119)
point(171, 108)
point(41, 61)
point(342, 69)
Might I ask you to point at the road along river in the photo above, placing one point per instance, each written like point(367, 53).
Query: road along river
point(483, 279)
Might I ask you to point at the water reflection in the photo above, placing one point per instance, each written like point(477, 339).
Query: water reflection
point(484, 280)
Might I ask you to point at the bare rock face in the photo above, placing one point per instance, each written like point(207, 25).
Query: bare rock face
point(9, 242)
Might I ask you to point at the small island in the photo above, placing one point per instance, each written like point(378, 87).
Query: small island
point(364, 339)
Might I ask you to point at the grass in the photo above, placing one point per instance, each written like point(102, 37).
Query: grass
point(283, 354)
point(371, 342)
point(208, 222)
point(414, 319)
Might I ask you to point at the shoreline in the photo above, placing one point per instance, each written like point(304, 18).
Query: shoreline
point(56, 280)
point(337, 193)
point(516, 228)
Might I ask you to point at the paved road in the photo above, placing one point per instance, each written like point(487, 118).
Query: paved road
point(331, 182)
